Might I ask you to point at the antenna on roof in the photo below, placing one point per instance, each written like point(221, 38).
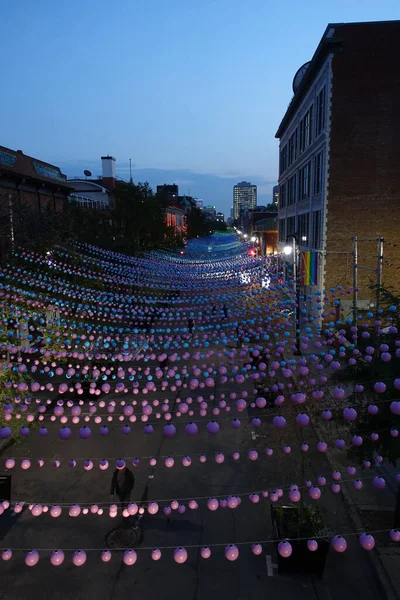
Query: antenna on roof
point(87, 173)
point(130, 170)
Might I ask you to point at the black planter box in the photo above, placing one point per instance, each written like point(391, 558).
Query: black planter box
point(285, 521)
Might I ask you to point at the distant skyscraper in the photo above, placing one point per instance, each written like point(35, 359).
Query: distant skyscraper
point(199, 203)
point(275, 195)
point(244, 196)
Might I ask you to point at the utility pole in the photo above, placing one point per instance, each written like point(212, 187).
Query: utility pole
point(379, 273)
point(355, 278)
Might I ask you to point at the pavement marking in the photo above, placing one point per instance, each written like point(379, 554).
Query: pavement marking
point(270, 565)
point(13, 514)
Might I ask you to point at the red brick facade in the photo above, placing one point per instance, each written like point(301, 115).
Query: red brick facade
point(364, 154)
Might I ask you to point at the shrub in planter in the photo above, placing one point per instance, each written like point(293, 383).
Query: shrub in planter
point(298, 524)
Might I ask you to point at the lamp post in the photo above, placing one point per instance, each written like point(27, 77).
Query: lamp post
point(294, 250)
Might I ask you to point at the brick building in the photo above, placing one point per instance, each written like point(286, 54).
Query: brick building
point(339, 172)
point(31, 181)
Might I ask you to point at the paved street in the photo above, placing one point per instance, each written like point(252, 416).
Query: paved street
point(251, 577)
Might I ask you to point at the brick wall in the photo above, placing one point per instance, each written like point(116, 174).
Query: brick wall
point(364, 169)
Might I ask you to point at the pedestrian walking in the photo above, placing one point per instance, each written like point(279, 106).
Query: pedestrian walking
point(122, 483)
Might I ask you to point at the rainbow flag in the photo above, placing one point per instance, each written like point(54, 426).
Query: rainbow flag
point(309, 268)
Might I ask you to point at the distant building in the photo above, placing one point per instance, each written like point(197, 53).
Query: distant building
point(261, 223)
point(31, 181)
point(168, 190)
point(244, 196)
point(209, 212)
point(96, 193)
point(220, 217)
point(339, 143)
point(186, 202)
point(175, 217)
point(199, 203)
point(275, 196)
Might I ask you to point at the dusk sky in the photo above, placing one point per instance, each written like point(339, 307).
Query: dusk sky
point(191, 91)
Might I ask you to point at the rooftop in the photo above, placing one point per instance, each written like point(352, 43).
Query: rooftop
point(17, 163)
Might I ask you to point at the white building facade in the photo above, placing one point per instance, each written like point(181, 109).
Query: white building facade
point(304, 168)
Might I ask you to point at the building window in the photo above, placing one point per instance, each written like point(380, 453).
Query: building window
point(291, 190)
point(318, 165)
point(306, 130)
point(304, 182)
point(316, 229)
point(292, 148)
point(282, 232)
point(282, 195)
point(283, 160)
point(303, 228)
point(291, 226)
point(321, 111)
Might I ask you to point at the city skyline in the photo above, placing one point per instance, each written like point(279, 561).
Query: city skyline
point(101, 93)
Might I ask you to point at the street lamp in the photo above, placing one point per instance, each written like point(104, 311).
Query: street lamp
point(294, 249)
point(254, 239)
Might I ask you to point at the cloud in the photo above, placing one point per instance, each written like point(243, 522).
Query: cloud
point(212, 188)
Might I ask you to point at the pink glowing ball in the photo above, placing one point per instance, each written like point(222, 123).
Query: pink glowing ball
point(169, 430)
point(279, 422)
point(75, 510)
point(25, 464)
point(312, 545)
point(156, 554)
point(205, 552)
point(37, 510)
point(212, 504)
point(241, 405)
point(193, 505)
point(285, 549)
point(379, 387)
point(327, 415)
point(167, 510)
point(57, 558)
point(219, 458)
point(106, 556)
point(335, 487)
point(256, 549)
point(186, 461)
point(231, 552)
point(349, 414)
point(6, 554)
point(395, 535)
point(339, 393)
point(153, 508)
point(395, 408)
point(357, 440)
point(253, 455)
point(254, 498)
point(233, 502)
point(103, 464)
point(180, 555)
point(169, 462)
point(337, 476)
point(303, 420)
point(367, 541)
point(322, 446)
point(130, 557)
point(191, 429)
point(379, 483)
point(294, 495)
point(32, 558)
point(10, 463)
point(339, 544)
point(314, 493)
point(203, 458)
point(212, 427)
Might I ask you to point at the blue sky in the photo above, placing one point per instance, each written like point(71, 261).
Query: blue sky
point(191, 91)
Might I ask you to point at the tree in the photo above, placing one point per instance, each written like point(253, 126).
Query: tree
point(197, 225)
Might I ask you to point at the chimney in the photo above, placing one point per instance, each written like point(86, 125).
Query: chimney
point(108, 172)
